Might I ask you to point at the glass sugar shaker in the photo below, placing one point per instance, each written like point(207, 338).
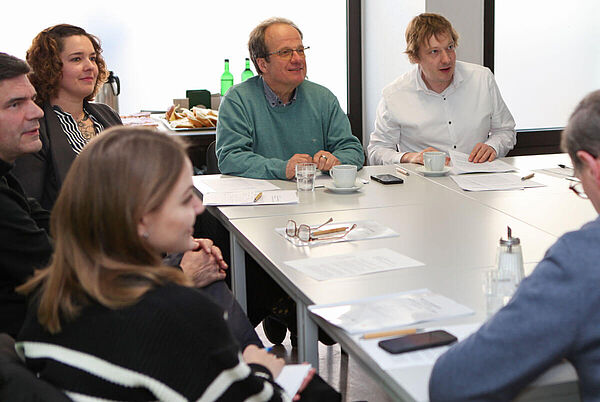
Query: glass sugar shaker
point(510, 267)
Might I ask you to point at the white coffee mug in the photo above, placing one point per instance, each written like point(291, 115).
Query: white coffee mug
point(344, 176)
point(434, 161)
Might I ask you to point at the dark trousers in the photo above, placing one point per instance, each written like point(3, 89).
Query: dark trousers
point(236, 318)
point(261, 290)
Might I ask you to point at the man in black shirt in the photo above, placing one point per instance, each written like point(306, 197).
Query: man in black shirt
point(24, 241)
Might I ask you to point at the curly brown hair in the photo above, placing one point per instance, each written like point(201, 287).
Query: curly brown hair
point(44, 58)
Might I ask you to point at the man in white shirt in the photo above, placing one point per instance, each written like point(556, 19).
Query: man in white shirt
point(440, 105)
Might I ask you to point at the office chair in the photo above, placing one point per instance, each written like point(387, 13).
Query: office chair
point(212, 165)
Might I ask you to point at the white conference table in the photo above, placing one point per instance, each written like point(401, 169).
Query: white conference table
point(554, 209)
point(453, 232)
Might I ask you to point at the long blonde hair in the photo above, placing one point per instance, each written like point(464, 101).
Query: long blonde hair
point(99, 255)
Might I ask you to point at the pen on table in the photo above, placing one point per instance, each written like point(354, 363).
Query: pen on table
point(402, 170)
point(529, 176)
point(329, 231)
point(382, 334)
point(258, 196)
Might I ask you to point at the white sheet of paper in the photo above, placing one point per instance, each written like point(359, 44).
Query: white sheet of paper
point(461, 165)
point(217, 183)
point(494, 181)
point(560, 172)
point(390, 311)
point(247, 198)
point(364, 230)
point(291, 377)
point(353, 264)
point(425, 357)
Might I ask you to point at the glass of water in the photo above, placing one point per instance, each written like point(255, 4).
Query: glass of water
point(305, 176)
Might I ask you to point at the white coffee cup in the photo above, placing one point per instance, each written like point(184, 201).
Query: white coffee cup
point(344, 176)
point(434, 161)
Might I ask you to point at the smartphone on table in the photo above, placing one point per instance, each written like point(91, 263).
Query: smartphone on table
point(387, 179)
point(424, 340)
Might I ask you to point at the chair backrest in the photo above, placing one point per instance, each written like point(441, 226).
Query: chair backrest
point(17, 383)
point(212, 165)
point(198, 97)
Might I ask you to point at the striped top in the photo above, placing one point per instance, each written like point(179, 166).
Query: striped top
point(70, 128)
point(172, 345)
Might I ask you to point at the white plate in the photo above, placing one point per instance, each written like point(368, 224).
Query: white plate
point(430, 173)
point(343, 190)
point(166, 123)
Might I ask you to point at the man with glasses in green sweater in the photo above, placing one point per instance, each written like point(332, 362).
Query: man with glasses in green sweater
point(271, 122)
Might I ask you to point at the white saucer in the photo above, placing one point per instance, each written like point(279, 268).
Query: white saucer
point(430, 173)
point(343, 190)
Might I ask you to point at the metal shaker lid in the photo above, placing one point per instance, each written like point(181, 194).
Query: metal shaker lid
point(510, 241)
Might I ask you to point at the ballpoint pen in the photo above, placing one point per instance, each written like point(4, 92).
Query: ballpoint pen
point(529, 176)
point(402, 170)
point(258, 197)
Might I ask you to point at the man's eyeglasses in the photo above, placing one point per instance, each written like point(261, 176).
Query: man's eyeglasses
point(306, 234)
point(288, 53)
point(577, 188)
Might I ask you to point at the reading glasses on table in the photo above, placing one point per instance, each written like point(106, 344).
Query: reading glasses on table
point(306, 234)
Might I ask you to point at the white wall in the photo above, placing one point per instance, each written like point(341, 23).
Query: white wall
point(384, 24)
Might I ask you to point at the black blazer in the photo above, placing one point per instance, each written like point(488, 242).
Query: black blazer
point(42, 174)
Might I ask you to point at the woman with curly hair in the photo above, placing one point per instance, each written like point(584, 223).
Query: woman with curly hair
point(67, 72)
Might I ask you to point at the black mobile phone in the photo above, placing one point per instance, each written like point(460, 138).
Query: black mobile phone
point(387, 179)
point(424, 340)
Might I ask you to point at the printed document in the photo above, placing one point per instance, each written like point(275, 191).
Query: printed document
point(494, 181)
point(251, 198)
point(353, 264)
point(560, 172)
point(461, 165)
point(291, 377)
point(390, 311)
point(225, 184)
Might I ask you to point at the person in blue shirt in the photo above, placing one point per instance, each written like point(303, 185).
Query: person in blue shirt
point(554, 313)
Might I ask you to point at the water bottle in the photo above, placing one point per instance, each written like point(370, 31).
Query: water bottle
point(226, 79)
point(247, 73)
point(509, 272)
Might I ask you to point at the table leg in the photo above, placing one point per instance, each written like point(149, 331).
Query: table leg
point(308, 337)
point(238, 272)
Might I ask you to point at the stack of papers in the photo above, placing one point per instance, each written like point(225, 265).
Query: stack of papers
point(217, 183)
point(390, 311)
point(219, 191)
point(495, 181)
point(250, 198)
point(353, 264)
point(461, 165)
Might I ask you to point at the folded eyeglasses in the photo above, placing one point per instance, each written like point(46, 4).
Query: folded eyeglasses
point(305, 233)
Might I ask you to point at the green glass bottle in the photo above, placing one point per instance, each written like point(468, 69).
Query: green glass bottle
point(226, 79)
point(247, 73)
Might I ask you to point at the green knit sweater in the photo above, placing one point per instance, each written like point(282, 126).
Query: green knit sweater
point(256, 140)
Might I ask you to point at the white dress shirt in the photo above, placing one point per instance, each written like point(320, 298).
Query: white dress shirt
point(410, 117)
